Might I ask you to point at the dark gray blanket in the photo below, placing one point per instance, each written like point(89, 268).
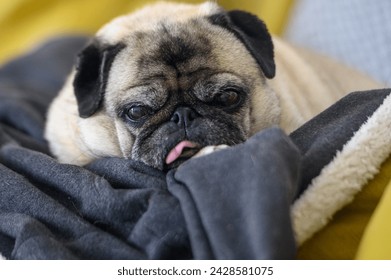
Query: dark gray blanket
point(232, 204)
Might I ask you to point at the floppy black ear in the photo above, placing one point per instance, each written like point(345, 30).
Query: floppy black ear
point(92, 71)
point(252, 32)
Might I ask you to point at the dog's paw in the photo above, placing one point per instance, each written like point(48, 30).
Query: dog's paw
point(210, 149)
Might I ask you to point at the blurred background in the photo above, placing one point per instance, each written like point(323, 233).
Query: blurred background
point(357, 32)
point(23, 23)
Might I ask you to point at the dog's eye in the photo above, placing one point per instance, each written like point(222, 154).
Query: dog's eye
point(137, 112)
point(227, 98)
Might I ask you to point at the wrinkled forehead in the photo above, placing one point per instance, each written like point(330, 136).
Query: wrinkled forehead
point(173, 39)
point(176, 50)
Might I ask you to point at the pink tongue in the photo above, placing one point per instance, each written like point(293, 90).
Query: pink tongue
point(176, 152)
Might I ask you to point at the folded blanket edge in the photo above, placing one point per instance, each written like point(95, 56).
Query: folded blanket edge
point(364, 153)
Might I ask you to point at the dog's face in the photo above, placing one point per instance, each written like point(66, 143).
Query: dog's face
point(171, 79)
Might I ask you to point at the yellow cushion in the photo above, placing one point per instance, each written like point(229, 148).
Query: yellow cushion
point(341, 238)
point(376, 242)
point(24, 23)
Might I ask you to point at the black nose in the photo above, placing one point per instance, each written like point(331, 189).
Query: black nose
point(184, 116)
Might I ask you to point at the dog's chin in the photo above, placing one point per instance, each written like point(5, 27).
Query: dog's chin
point(175, 164)
point(159, 158)
point(186, 155)
point(165, 150)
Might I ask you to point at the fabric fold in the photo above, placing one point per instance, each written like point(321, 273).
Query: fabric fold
point(241, 197)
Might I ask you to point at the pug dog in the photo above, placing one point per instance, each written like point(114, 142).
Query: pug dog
point(164, 82)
